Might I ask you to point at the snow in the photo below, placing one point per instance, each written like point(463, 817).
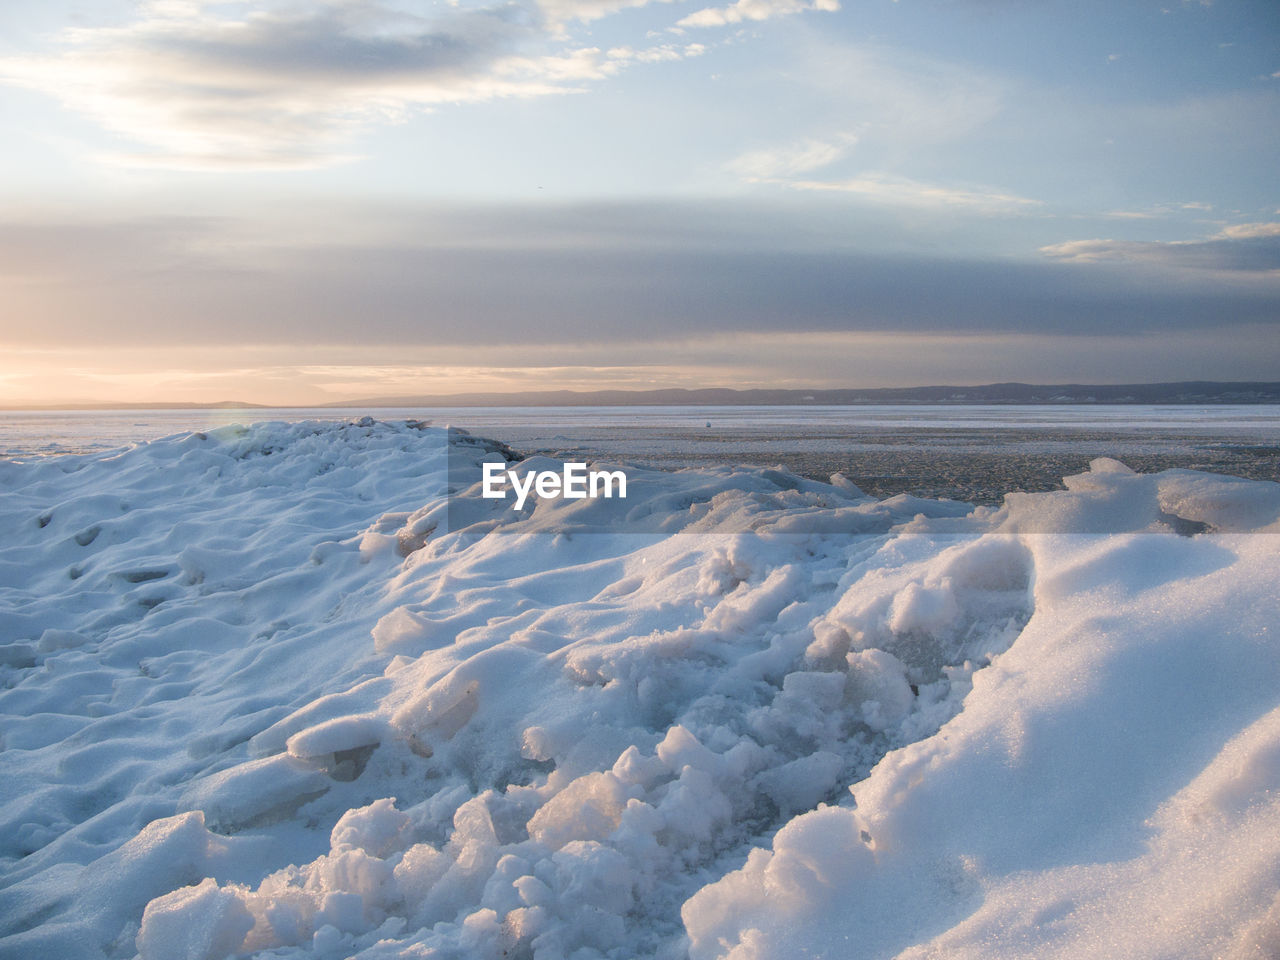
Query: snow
point(270, 691)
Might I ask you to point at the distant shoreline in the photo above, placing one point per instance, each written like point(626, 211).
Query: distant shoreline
point(1192, 392)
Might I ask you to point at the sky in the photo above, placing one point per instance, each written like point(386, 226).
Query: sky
point(307, 202)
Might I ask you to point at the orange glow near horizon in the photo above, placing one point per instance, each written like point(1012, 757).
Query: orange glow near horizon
point(317, 374)
point(313, 375)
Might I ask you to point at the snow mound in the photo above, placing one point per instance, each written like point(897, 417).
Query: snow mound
point(293, 691)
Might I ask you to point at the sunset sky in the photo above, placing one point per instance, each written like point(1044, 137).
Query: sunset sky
point(304, 202)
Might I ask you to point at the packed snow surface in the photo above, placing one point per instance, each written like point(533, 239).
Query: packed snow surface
point(266, 694)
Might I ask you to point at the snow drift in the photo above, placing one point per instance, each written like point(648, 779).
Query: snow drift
point(273, 692)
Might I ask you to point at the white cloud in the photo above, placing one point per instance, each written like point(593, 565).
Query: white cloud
point(894, 106)
point(658, 53)
point(1248, 248)
point(202, 87)
point(1156, 211)
point(1099, 250)
point(560, 12)
point(792, 159)
point(1249, 231)
point(747, 10)
point(894, 97)
point(903, 191)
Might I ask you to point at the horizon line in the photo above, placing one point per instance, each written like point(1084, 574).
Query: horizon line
point(728, 396)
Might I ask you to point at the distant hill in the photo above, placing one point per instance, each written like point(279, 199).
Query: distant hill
point(1189, 392)
point(177, 405)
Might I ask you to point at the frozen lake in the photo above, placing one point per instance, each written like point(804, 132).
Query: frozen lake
point(972, 452)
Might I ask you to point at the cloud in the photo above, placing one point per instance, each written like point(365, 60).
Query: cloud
point(1247, 248)
point(897, 110)
point(285, 86)
point(893, 98)
point(301, 374)
point(754, 10)
point(903, 191)
point(792, 159)
point(471, 278)
point(1250, 231)
point(656, 54)
point(1155, 211)
point(559, 12)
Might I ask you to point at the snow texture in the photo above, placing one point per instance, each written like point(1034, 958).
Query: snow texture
point(264, 693)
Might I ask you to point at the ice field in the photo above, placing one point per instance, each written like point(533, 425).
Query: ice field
point(272, 692)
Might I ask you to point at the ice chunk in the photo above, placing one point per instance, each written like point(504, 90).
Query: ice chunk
point(378, 829)
point(194, 923)
point(589, 808)
point(256, 793)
